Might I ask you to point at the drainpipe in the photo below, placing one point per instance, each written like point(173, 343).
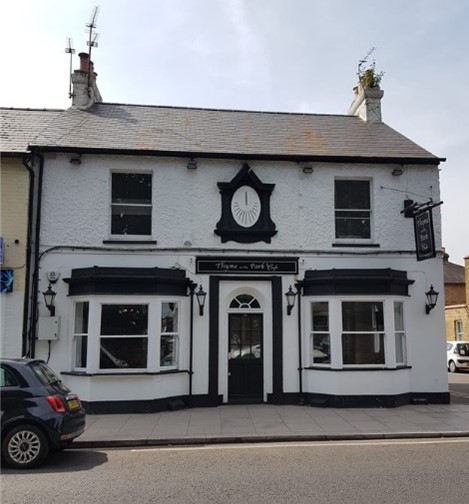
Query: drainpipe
point(26, 160)
point(191, 339)
point(35, 283)
point(301, 399)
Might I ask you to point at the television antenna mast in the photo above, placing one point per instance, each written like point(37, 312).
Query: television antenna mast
point(69, 50)
point(364, 60)
point(91, 42)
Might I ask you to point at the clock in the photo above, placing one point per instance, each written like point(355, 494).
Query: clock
point(245, 206)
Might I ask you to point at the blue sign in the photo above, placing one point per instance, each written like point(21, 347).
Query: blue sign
point(6, 280)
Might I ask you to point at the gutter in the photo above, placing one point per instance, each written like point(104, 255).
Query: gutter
point(242, 156)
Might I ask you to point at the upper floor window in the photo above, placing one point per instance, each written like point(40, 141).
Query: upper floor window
point(458, 330)
point(352, 203)
point(131, 204)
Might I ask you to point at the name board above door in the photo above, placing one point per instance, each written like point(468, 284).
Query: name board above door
point(248, 265)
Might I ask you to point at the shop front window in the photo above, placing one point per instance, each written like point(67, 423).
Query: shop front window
point(320, 336)
point(169, 335)
point(362, 333)
point(81, 335)
point(124, 336)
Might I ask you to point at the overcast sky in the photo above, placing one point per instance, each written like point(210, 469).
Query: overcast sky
point(275, 55)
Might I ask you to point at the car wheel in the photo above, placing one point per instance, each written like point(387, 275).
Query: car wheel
point(452, 367)
point(25, 447)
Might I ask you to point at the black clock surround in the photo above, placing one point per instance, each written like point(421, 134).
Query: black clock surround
point(227, 228)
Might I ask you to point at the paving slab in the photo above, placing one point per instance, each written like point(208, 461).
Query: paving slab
point(267, 422)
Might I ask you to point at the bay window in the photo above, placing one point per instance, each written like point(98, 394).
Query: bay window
point(348, 333)
point(115, 335)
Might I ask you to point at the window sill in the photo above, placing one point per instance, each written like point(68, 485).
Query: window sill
point(359, 245)
point(358, 368)
point(123, 373)
point(129, 242)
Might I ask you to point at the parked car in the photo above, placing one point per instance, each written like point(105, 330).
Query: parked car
point(38, 412)
point(457, 355)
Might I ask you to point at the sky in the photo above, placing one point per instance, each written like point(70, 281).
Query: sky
point(268, 55)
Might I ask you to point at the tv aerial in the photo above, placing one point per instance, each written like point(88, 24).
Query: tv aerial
point(92, 41)
point(69, 50)
point(364, 60)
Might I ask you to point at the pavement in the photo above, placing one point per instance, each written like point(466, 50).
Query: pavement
point(268, 423)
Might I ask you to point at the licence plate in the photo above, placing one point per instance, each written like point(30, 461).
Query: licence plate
point(73, 404)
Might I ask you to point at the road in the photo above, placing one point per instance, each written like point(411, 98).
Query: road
point(405, 471)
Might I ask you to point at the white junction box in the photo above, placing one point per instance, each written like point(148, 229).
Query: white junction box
point(48, 328)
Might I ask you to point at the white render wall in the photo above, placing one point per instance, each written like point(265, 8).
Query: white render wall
point(187, 205)
point(76, 201)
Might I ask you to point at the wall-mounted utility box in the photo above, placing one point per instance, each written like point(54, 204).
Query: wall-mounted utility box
point(48, 328)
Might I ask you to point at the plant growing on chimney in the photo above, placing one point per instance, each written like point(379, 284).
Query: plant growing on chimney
point(370, 78)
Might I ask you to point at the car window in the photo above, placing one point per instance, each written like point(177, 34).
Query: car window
point(463, 349)
point(44, 373)
point(7, 379)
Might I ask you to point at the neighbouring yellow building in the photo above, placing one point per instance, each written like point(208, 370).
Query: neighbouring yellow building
point(17, 213)
point(456, 280)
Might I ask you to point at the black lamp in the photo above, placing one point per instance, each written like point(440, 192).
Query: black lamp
point(290, 295)
point(201, 295)
point(49, 297)
point(432, 297)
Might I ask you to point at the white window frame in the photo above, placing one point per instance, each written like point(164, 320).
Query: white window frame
point(401, 334)
point(77, 335)
point(312, 332)
point(352, 241)
point(175, 335)
point(458, 330)
point(131, 237)
point(153, 336)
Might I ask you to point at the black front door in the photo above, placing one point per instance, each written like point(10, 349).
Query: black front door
point(245, 362)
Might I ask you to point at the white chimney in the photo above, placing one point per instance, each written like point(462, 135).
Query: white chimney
point(367, 103)
point(85, 90)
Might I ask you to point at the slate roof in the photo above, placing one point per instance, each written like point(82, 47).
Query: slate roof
point(112, 127)
point(453, 273)
point(19, 127)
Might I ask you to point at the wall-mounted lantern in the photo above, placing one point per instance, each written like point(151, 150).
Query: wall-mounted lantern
point(49, 297)
point(432, 298)
point(290, 295)
point(201, 295)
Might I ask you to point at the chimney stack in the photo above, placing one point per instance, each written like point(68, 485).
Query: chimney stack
point(85, 90)
point(367, 103)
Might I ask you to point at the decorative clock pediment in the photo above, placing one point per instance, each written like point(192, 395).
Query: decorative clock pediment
point(245, 209)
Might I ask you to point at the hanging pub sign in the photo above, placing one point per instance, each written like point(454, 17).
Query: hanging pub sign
point(424, 235)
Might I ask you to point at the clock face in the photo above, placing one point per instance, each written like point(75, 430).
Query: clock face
point(245, 206)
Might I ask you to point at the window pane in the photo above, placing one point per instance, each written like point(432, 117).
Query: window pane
point(169, 317)
point(400, 348)
point(320, 316)
point(399, 316)
point(81, 317)
point(168, 351)
point(352, 226)
point(363, 348)
point(124, 319)
point(123, 353)
point(81, 349)
point(321, 353)
point(128, 220)
point(352, 194)
point(131, 188)
point(362, 316)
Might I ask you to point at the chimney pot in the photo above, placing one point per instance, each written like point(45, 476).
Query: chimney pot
point(84, 62)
